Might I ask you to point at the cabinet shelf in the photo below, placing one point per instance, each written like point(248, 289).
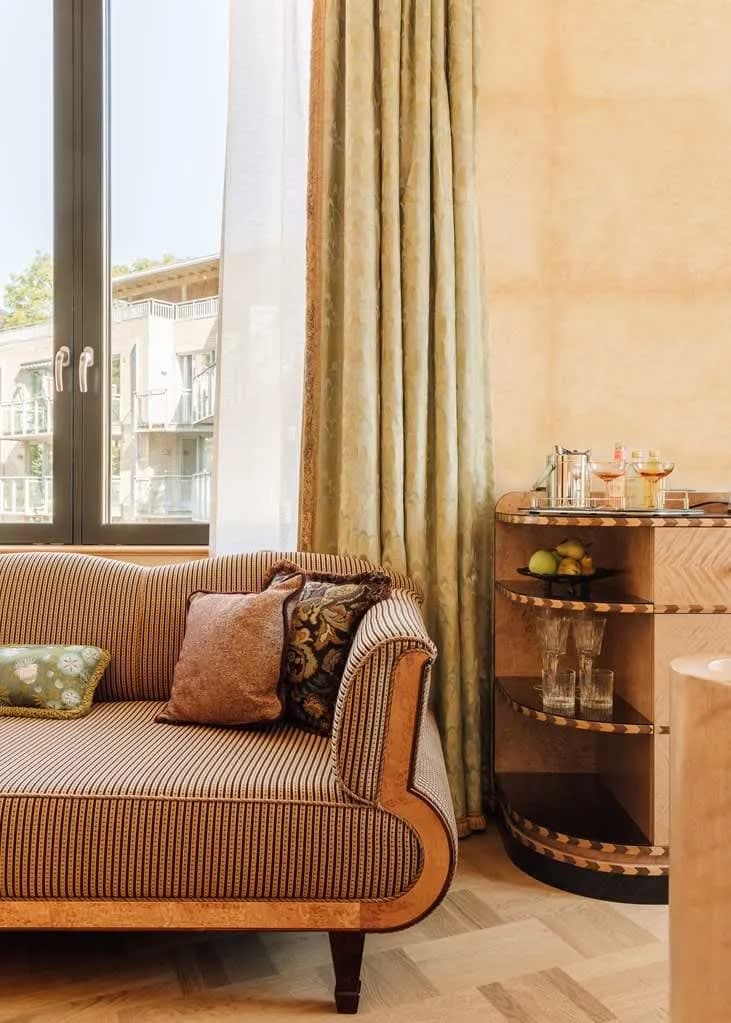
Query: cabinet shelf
point(692, 609)
point(523, 695)
point(514, 517)
point(575, 819)
point(530, 593)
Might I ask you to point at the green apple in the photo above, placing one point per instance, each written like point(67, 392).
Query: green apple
point(543, 563)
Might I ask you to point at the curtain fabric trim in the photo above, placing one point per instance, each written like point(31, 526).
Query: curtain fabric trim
point(472, 822)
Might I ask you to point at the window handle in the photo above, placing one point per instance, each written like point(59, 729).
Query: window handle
point(86, 359)
point(60, 362)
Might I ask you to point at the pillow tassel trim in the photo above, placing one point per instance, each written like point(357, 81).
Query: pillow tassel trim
point(64, 715)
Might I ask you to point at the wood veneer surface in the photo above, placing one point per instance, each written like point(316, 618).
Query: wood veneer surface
point(701, 828)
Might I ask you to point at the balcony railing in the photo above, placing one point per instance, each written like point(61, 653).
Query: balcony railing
point(163, 497)
point(163, 409)
point(204, 394)
point(158, 497)
point(23, 497)
point(201, 510)
point(43, 328)
point(115, 499)
point(197, 309)
point(31, 417)
point(179, 497)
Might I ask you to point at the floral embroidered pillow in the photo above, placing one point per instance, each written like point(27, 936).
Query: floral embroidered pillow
point(323, 626)
point(49, 681)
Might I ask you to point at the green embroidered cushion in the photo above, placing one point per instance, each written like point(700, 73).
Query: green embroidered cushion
point(324, 622)
point(49, 681)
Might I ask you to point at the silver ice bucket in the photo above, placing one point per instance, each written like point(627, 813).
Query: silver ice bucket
point(567, 479)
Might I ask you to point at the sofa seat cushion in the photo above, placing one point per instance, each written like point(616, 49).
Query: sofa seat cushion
point(116, 806)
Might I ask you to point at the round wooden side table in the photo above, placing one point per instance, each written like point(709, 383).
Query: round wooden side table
point(700, 822)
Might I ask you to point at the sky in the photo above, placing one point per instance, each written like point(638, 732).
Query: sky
point(168, 83)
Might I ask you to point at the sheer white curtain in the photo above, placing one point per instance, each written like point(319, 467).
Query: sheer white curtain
point(261, 343)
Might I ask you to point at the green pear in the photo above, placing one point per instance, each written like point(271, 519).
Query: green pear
point(569, 566)
point(571, 549)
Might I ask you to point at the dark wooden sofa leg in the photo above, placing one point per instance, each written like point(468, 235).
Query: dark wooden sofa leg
point(347, 954)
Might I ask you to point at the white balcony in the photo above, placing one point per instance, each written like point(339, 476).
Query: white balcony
point(26, 498)
point(115, 499)
point(197, 309)
point(163, 410)
point(204, 395)
point(158, 498)
point(201, 510)
point(26, 418)
point(164, 498)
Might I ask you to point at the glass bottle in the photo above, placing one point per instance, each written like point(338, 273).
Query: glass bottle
point(616, 488)
point(655, 455)
point(635, 488)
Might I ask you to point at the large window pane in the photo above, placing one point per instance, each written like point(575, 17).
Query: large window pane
point(168, 79)
point(26, 271)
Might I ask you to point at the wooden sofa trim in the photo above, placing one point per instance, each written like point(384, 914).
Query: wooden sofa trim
point(397, 796)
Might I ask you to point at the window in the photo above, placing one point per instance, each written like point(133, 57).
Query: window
point(109, 267)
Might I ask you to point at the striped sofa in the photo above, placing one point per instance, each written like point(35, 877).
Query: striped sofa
point(113, 821)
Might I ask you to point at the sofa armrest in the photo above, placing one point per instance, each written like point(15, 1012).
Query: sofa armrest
point(389, 630)
point(429, 778)
point(387, 751)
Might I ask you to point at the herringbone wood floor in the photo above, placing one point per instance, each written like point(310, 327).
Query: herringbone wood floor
point(502, 947)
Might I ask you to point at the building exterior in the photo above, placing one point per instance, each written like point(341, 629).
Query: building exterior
point(161, 400)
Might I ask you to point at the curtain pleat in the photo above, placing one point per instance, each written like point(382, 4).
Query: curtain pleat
point(397, 445)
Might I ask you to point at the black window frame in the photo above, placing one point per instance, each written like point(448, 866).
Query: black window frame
point(82, 297)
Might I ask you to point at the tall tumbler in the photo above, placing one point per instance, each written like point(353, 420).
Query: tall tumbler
point(588, 636)
point(553, 634)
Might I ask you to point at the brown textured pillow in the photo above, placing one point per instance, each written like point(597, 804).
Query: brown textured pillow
point(230, 664)
point(324, 621)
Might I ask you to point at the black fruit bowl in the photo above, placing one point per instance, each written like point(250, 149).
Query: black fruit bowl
point(579, 585)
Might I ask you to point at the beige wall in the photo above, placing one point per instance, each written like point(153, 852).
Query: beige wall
point(606, 191)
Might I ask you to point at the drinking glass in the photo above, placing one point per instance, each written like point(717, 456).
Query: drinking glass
point(596, 693)
point(559, 691)
point(608, 470)
point(653, 469)
point(588, 636)
point(553, 634)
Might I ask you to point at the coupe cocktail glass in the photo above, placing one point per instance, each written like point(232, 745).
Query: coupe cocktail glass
point(608, 470)
point(653, 470)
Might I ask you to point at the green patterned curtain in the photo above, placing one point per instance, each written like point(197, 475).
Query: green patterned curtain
point(396, 460)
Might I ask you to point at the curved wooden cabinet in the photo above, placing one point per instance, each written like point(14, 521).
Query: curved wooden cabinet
point(584, 804)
